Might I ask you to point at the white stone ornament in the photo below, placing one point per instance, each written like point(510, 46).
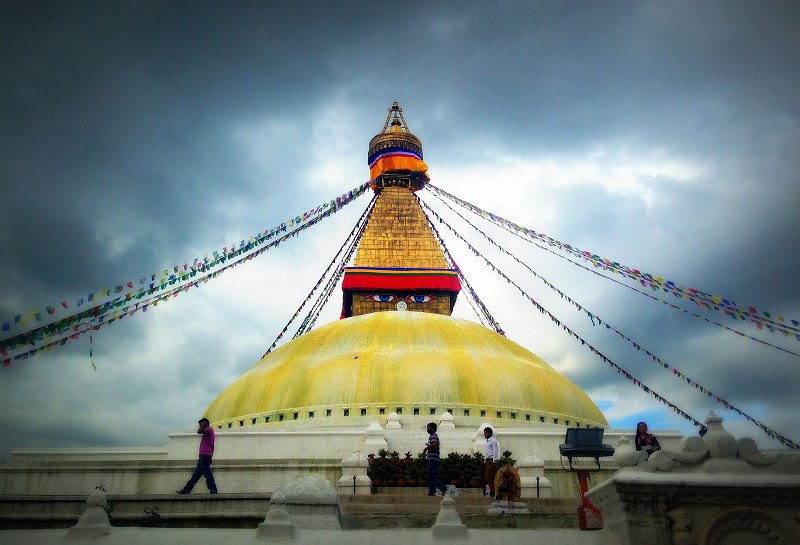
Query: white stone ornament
point(446, 421)
point(311, 502)
point(625, 455)
point(448, 523)
point(277, 525)
point(354, 464)
point(402, 305)
point(694, 449)
point(530, 468)
point(374, 439)
point(94, 520)
point(393, 421)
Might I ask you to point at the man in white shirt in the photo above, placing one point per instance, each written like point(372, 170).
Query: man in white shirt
point(492, 449)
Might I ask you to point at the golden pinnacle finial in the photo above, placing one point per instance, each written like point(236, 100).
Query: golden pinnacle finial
point(396, 150)
point(395, 133)
point(395, 118)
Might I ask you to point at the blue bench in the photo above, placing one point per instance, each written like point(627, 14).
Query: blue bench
point(585, 443)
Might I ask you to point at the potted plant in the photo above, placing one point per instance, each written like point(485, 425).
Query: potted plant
point(412, 476)
point(505, 459)
point(454, 476)
point(379, 469)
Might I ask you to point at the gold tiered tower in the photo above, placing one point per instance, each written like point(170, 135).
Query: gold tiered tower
point(399, 264)
point(397, 349)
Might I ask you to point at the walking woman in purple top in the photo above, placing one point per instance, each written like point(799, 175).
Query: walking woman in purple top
point(204, 463)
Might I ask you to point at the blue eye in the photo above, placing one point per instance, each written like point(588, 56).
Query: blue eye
point(383, 298)
point(418, 298)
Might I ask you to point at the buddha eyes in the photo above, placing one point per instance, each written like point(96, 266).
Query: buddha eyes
point(389, 298)
point(383, 298)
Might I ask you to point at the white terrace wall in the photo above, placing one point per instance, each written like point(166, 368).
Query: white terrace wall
point(259, 461)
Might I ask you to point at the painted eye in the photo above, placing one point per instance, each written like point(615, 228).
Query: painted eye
point(418, 298)
point(383, 298)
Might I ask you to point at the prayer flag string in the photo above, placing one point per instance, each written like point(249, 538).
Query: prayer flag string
point(580, 339)
point(176, 274)
point(632, 288)
point(659, 362)
point(762, 319)
point(453, 265)
point(356, 231)
point(91, 360)
point(319, 304)
point(120, 308)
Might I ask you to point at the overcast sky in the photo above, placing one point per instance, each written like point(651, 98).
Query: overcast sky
point(136, 136)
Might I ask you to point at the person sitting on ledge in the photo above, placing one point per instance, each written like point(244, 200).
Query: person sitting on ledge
point(645, 441)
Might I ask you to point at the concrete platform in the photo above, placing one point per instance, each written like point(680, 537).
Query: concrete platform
point(396, 536)
point(153, 510)
point(404, 510)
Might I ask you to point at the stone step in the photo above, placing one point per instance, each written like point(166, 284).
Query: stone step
point(248, 510)
point(426, 505)
point(420, 511)
point(410, 499)
point(421, 491)
point(403, 501)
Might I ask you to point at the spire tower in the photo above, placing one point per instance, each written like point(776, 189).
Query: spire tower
point(399, 264)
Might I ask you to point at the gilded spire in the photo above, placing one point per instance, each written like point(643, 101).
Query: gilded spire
point(394, 119)
point(399, 264)
point(395, 154)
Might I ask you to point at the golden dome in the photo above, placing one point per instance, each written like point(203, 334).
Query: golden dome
point(419, 363)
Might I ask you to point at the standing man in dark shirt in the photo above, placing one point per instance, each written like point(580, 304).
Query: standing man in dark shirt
point(204, 462)
point(431, 452)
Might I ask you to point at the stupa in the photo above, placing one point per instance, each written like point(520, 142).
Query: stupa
point(371, 380)
point(397, 359)
point(397, 349)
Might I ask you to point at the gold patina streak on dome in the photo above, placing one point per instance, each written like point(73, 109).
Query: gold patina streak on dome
point(402, 359)
point(398, 235)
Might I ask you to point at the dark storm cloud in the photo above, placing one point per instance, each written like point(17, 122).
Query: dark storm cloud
point(136, 136)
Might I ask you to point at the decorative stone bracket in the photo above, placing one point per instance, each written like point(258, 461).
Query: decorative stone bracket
point(354, 479)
